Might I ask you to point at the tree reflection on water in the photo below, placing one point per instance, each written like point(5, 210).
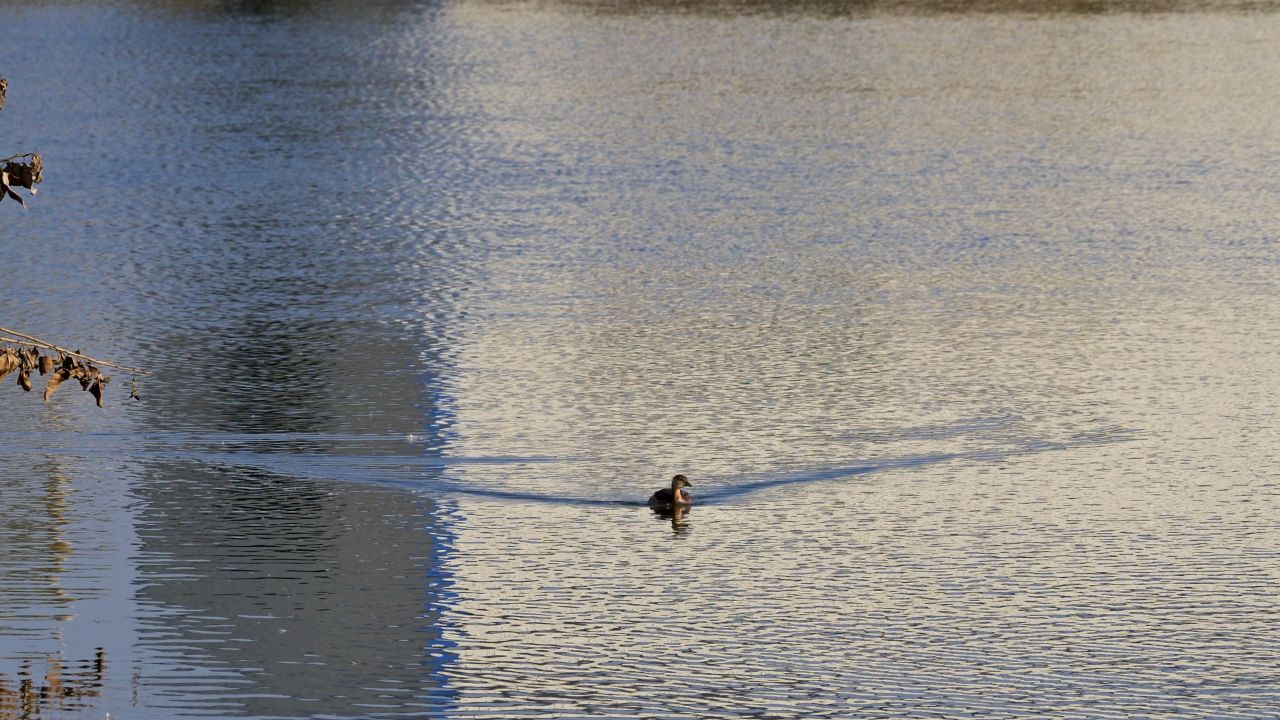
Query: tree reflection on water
point(62, 687)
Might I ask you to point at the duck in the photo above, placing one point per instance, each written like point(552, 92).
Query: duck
point(674, 496)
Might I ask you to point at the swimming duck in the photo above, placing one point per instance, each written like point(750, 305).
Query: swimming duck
point(672, 496)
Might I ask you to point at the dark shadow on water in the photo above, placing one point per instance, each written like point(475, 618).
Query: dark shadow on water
point(910, 461)
point(291, 455)
point(423, 474)
point(723, 494)
point(517, 495)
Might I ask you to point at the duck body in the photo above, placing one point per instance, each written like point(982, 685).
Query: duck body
point(665, 498)
point(674, 496)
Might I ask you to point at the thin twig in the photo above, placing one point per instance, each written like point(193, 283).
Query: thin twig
point(19, 155)
point(46, 344)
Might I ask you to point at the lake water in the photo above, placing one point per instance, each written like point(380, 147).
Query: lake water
point(965, 327)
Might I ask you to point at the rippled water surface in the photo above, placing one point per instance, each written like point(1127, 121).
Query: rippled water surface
point(964, 325)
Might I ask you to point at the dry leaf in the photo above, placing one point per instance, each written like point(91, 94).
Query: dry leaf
point(14, 195)
point(55, 380)
point(8, 362)
point(65, 366)
point(24, 174)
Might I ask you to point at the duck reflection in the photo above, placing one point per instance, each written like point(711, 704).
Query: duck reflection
point(677, 514)
point(63, 689)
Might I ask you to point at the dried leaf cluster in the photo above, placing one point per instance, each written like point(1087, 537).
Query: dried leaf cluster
point(21, 171)
point(65, 367)
point(25, 170)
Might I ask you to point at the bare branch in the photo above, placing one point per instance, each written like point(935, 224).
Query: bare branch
point(23, 338)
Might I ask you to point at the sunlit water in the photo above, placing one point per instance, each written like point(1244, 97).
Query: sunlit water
point(964, 326)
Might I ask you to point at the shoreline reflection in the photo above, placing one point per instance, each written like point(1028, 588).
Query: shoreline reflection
point(62, 688)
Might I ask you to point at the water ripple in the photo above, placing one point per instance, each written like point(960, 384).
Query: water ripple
point(963, 324)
